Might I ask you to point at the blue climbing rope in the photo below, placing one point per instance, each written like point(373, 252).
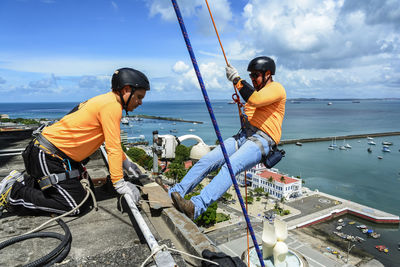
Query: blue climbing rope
point(216, 128)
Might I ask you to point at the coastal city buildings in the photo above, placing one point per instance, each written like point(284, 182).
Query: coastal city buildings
point(276, 184)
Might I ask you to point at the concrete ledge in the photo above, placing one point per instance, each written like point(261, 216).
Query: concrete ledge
point(187, 232)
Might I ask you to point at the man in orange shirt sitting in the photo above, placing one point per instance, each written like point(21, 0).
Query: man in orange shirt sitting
point(53, 159)
point(255, 142)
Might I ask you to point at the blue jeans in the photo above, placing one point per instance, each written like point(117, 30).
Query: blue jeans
point(245, 157)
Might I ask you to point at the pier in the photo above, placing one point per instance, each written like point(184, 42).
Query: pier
point(164, 118)
point(330, 138)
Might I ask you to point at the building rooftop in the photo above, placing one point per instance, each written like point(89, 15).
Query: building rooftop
point(277, 177)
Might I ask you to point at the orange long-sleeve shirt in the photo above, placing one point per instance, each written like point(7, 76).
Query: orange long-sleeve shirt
point(265, 109)
point(80, 134)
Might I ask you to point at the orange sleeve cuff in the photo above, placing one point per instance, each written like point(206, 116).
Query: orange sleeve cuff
point(239, 85)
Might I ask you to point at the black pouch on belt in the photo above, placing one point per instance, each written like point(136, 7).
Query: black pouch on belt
point(274, 156)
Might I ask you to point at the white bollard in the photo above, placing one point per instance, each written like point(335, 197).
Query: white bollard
point(268, 239)
point(280, 251)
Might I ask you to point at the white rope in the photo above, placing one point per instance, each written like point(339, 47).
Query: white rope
point(156, 250)
point(86, 186)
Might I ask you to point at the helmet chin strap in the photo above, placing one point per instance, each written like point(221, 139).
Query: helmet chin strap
point(125, 105)
point(263, 82)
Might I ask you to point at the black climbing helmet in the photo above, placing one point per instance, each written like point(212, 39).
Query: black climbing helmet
point(128, 76)
point(262, 64)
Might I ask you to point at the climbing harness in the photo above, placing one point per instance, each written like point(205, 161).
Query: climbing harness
point(48, 181)
point(216, 128)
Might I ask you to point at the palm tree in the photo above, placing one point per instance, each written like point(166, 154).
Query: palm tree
point(283, 179)
point(270, 179)
point(283, 201)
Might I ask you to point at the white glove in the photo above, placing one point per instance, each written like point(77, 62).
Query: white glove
point(231, 73)
point(131, 168)
point(124, 187)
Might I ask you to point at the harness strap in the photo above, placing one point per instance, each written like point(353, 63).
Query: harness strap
point(54, 178)
point(50, 147)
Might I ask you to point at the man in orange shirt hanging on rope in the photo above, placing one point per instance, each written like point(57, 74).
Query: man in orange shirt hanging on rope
point(256, 141)
point(54, 158)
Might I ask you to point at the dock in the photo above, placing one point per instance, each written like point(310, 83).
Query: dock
point(330, 207)
point(330, 138)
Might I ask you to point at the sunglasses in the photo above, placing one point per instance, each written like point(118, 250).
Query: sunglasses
point(254, 75)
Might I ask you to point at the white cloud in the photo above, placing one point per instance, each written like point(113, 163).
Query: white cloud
point(180, 67)
point(220, 9)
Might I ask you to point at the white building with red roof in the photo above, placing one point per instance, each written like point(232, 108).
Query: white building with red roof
point(276, 184)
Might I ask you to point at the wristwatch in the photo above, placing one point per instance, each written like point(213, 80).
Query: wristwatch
point(236, 80)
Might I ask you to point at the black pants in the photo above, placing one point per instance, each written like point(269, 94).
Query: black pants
point(27, 196)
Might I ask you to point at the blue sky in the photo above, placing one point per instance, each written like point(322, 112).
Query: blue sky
point(53, 50)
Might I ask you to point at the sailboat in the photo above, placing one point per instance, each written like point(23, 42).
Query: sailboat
point(333, 145)
point(347, 145)
point(343, 147)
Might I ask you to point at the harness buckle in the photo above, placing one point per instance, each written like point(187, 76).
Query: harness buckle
point(53, 178)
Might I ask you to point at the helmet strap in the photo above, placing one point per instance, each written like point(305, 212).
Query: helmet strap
point(129, 99)
point(263, 82)
point(125, 105)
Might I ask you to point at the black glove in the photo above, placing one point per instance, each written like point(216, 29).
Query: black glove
point(221, 258)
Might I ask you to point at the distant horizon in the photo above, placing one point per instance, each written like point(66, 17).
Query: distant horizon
point(229, 100)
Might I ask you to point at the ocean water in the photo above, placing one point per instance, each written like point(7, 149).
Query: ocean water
point(352, 174)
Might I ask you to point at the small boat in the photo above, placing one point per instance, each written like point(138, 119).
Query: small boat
point(369, 150)
point(331, 148)
point(380, 157)
point(372, 143)
point(370, 138)
point(192, 130)
point(365, 231)
point(329, 103)
point(387, 143)
point(173, 131)
point(124, 120)
point(334, 145)
point(352, 222)
point(362, 226)
point(298, 144)
point(385, 148)
point(375, 235)
point(339, 227)
point(348, 145)
point(381, 248)
point(342, 148)
point(340, 220)
point(359, 239)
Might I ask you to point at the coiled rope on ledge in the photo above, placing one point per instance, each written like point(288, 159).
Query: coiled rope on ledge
point(216, 128)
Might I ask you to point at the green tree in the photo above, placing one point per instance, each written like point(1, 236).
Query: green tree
point(182, 153)
point(270, 179)
point(283, 202)
point(176, 171)
point(209, 217)
point(140, 157)
point(282, 179)
point(259, 191)
point(226, 197)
